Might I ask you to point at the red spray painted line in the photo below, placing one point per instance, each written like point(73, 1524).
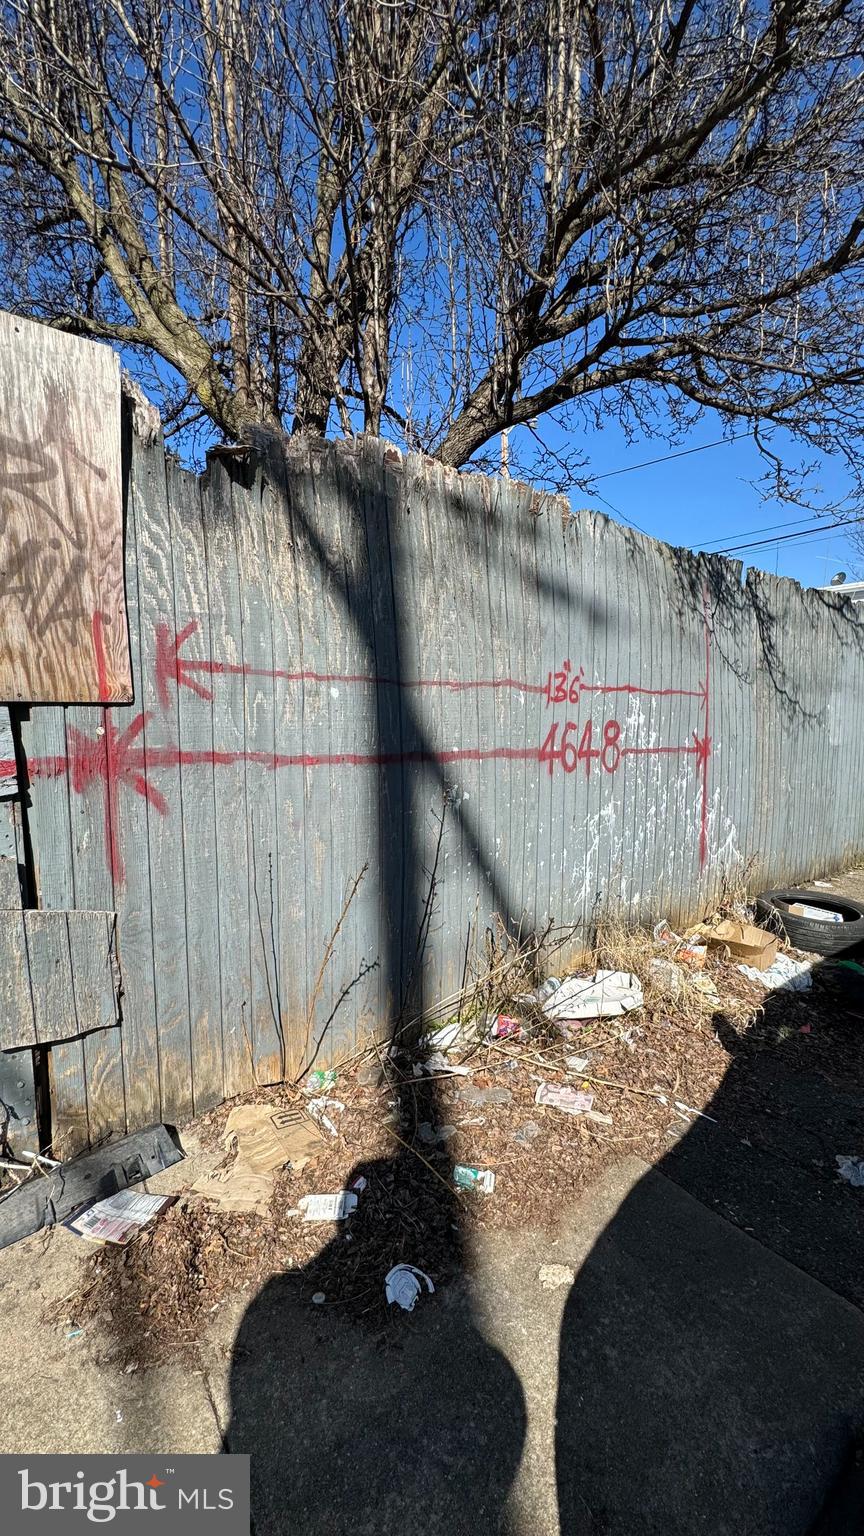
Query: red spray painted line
point(116, 759)
point(654, 693)
point(37, 767)
point(225, 668)
point(170, 757)
point(90, 761)
point(693, 750)
point(170, 667)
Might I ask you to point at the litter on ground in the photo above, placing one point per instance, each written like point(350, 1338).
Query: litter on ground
point(851, 1169)
point(404, 1284)
point(483, 1113)
point(265, 1140)
point(815, 914)
point(481, 1179)
point(785, 974)
point(119, 1218)
point(328, 1207)
point(320, 1081)
point(602, 996)
point(318, 1110)
point(570, 1101)
point(527, 1133)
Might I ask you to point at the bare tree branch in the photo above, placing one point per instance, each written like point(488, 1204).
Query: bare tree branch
point(443, 218)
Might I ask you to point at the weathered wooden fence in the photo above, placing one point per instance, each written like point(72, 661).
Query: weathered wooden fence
point(361, 673)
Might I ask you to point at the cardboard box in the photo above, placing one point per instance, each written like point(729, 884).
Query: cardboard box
point(746, 943)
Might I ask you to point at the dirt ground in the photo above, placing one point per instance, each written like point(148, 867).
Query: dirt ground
point(686, 1067)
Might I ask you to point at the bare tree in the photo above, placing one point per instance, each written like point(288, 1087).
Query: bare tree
point(442, 218)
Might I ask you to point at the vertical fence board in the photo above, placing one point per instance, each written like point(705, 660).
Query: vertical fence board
point(185, 676)
point(163, 819)
point(229, 735)
point(136, 902)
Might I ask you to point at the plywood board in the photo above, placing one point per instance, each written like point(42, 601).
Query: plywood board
point(62, 609)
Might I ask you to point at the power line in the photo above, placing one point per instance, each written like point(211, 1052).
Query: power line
point(547, 448)
point(665, 457)
point(785, 538)
point(792, 522)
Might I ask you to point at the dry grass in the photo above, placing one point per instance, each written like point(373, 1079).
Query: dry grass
point(674, 987)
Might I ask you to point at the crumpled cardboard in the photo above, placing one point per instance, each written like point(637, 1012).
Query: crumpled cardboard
point(237, 1189)
point(266, 1139)
point(744, 941)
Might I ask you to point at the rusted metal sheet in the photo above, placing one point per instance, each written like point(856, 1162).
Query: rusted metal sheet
point(62, 611)
point(384, 711)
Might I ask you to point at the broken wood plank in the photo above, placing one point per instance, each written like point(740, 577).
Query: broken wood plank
point(58, 976)
point(62, 603)
point(95, 971)
point(43, 1201)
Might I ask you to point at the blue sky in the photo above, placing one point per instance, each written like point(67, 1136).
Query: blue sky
point(707, 498)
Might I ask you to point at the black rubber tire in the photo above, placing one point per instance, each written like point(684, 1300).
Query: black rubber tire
point(808, 933)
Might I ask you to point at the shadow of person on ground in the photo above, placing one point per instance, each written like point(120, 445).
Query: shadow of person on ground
point(362, 1417)
point(703, 1383)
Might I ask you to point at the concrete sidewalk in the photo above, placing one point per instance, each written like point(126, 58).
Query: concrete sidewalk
point(689, 1380)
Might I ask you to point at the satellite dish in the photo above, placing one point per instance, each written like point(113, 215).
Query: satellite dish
point(838, 580)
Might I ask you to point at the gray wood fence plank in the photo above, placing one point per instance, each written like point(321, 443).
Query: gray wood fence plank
point(95, 968)
point(256, 605)
point(17, 1027)
point(47, 747)
point(8, 771)
point(50, 963)
point(354, 717)
point(10, 885)
point(164, 818)
point(286, 538)
point(420, 788)
point(134, 898)
point(98, 784)
point(194, 691)
point(324, 706)
point(229, 737)
point(17, 1078)
point(97, 982)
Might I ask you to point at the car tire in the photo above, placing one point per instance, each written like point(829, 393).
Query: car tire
point(772, 911)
